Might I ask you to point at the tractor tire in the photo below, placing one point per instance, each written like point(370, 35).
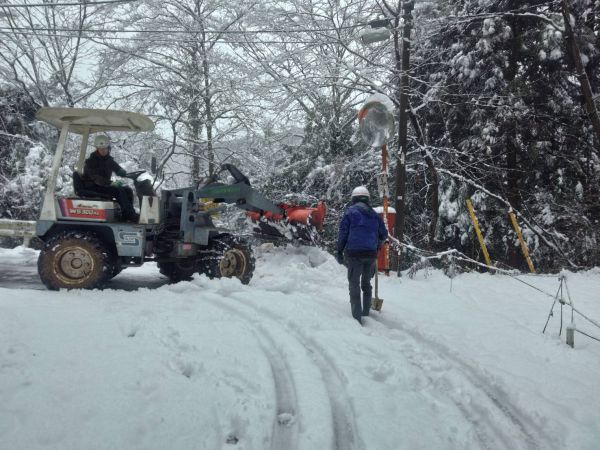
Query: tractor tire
point(178, 271)
point(117, 268)
point(75, 260)
point(229, 257)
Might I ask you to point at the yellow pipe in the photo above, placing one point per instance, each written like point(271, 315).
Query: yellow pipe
point(486, 256)
point(524, 249)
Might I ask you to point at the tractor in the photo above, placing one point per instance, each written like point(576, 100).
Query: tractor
point(86, 242)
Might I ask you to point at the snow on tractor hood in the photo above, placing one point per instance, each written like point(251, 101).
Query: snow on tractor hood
point(95, 120)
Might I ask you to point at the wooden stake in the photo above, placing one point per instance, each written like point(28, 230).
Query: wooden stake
point(524, 249)
point(486, 256)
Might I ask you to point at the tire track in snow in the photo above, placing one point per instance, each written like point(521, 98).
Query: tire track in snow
point(488, 417)
point(345, 429)
point(497, 402)
point(491, 417)
point(285, 426)
point(180, 359)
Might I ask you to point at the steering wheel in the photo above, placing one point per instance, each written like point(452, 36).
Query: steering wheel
point(135, 174)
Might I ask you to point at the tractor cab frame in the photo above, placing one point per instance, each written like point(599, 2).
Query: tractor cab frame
point(83, 122)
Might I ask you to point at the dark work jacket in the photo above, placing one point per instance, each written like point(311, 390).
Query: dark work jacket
point(99, 169)
point(362, 231)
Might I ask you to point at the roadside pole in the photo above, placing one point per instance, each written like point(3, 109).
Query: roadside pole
point(385, 190)
point(376, 122)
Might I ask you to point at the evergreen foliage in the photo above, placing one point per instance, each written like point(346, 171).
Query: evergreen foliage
point(501, 108)
point(23, 159)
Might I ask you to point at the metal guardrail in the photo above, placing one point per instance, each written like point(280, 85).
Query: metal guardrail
point(18, 228)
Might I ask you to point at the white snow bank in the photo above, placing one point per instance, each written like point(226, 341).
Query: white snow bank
point(452, 364)
point(19, 255)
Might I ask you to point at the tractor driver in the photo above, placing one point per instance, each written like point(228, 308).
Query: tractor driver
point(97, 173)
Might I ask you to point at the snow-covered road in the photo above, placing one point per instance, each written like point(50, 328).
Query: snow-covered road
point(280, 364)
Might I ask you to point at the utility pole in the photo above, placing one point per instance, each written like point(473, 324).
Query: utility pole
point(584, 81)
point(402, 56)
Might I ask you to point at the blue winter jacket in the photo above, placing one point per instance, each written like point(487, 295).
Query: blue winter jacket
point(362, 231)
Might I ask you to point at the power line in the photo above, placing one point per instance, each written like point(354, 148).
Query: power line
point(150, 39)
point(272, 31)
point(51, 5)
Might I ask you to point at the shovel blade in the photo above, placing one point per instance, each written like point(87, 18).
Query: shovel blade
point(376, 304)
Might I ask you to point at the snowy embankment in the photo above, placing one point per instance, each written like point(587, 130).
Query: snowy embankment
point(280, 364)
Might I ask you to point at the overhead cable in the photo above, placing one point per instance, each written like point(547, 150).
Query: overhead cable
point(271, 31)
point(52, 5)
point(151, 39)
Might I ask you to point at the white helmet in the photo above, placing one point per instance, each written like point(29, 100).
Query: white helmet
point(360, 191)
point(101, 141)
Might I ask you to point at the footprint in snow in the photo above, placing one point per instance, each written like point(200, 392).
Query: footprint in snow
point(186, 368)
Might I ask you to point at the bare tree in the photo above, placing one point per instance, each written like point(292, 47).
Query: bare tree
point(189, 72)
point(43, 51)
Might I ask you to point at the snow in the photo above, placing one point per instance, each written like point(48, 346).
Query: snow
point(579, 190)
point(555, 54)
point(448, 364)
point(377, 123)
point(383, 99)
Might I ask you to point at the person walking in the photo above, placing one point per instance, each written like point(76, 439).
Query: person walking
point(362, 232)
point(97, 173)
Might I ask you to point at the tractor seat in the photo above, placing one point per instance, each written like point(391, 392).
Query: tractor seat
point(81, 191)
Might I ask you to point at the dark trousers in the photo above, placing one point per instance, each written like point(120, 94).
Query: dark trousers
point(360, 272)
point(123, 195)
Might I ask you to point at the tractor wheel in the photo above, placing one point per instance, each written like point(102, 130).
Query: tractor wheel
point(177, 271)
point(75, 260)
point(117, 268)
point(229, 257)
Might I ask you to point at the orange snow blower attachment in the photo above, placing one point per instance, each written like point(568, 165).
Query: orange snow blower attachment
point(269, 220)
point(297, 223)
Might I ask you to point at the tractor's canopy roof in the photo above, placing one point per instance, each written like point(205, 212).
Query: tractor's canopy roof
point(95, 120)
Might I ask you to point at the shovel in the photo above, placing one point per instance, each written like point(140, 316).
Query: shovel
point(376, 302)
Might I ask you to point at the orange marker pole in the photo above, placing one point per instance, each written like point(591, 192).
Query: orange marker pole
point(385, 209)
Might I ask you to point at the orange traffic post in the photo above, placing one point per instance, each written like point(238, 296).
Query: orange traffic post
point(386, 254)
